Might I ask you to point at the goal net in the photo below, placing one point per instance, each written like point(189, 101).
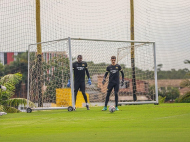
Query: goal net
point(140, 76)
point(48, 77)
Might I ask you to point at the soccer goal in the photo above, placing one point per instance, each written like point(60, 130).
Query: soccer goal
point(50, 67)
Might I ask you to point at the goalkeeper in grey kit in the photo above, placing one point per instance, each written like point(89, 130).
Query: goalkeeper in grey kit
point(113, 71)
point(79, 68)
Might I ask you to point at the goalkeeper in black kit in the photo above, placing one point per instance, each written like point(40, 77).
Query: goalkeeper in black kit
point(113, 71)
point(79, 68)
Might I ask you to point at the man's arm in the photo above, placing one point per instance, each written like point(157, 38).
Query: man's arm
point(105, 75)
point(88, 75)
point(122, 74)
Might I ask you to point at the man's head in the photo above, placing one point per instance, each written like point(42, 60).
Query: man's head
point(79, 58)
point(113, 60)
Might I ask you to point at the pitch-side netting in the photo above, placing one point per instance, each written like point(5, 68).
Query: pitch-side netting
point(49, 72)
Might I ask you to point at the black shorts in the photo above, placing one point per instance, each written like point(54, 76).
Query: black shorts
point(113, 85)
point(79, 85)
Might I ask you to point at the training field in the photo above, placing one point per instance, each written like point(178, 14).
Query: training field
point(144, 123)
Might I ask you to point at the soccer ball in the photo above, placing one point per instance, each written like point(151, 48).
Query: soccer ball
point(3, 87)
point(111, 109)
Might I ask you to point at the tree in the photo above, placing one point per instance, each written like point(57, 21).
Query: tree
point(186, 83)
point(174, 74)
point(20, 64)
point(184, 98)
point(187, 61)
point(1, 70)
point(170, 93)
point(159, 66)
point(10, 81)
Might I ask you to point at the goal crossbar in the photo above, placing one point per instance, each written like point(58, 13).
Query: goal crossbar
point(130, 41)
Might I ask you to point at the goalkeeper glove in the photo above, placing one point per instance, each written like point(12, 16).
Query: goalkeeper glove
point(103, 82)
point(89, 81)
point(69, 83)
point(3, 87)
point(122, 82)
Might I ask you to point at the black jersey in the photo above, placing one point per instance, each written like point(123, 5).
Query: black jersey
point(113, 71)
point(79, 71)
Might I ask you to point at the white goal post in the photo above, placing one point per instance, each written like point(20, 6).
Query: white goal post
point(51, 73)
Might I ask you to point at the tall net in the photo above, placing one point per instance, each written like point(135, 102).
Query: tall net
point(164, 21)
point(48, 75)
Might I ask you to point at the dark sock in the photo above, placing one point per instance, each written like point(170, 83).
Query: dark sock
point(116, 99)
point(107, 99)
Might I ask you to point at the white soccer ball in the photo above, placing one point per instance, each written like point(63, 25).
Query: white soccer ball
point(111, 109)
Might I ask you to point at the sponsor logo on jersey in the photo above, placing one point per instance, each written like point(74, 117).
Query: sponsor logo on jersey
point(116, 67)
point(113, 71)
point(83, 65)
point(80, 68)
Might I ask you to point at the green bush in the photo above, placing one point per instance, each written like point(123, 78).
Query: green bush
point(9, 109)
point(161, 99)
point(10, 81)
point(177, 100)
point(184, 98)
point(171, 93)
point(1, 108)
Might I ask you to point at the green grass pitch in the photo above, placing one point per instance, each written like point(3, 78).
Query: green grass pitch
point(133, 123)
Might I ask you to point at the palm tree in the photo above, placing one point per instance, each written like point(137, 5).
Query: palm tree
point(20, 64)
point(10, 81)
